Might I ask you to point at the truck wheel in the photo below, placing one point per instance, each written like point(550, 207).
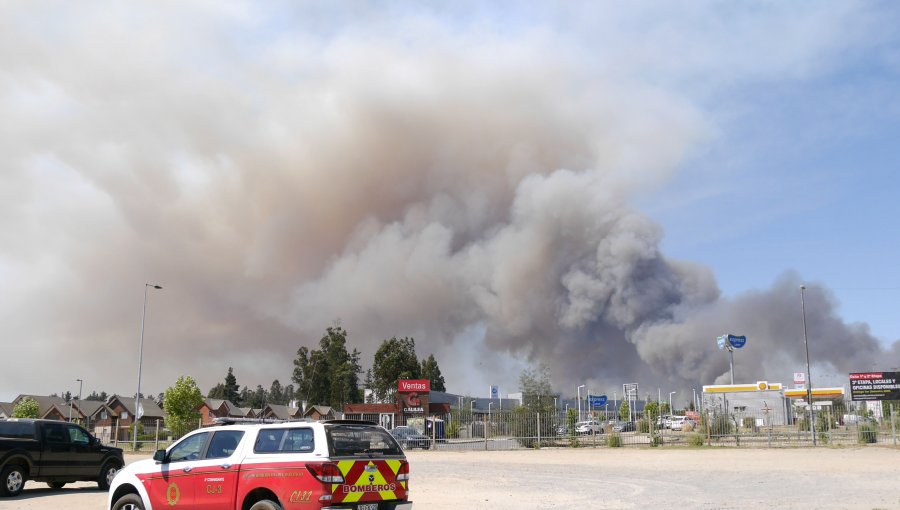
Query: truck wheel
point(56, 485)
point(128, 502)
point(106, 476)
point(12, 481)
point(264, 504)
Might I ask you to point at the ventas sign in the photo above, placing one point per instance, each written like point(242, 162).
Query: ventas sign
point(413, 395)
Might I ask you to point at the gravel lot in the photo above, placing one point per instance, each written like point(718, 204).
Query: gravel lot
point(829, 478)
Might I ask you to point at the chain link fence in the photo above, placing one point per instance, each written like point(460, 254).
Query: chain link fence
point(512, 430)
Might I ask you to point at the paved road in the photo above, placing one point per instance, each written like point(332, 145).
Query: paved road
point(718, 478)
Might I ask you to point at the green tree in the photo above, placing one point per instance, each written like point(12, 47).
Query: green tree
point(180, 403)
point(289, 394)
point(232, 390)
point(651, 411)
point(665, 408)
point(432, 372)
point(217, 391)
point(328, 375)
point(258, 398)
point(624, 411)
point(27, 408)
point(97, 397)
point(246, 395)
point(395, 359)
point(537, 392)
point(537, 398)
point(276, 393)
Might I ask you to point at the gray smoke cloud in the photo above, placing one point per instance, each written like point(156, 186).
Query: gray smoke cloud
point(470, 191)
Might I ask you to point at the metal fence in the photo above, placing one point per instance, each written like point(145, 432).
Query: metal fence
point(511, 430)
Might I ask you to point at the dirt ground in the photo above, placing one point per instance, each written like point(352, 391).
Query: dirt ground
point(828, 478)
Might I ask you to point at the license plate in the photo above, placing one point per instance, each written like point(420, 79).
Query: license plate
point(368, 506)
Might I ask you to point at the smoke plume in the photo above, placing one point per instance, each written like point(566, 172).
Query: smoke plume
point(469, 191)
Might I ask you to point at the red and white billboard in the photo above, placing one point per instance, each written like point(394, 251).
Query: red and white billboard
point(413, 395)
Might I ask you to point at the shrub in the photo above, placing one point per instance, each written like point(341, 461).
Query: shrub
point(695, 439)
point(750, 423)
point(643, 426)
point(656, 440)
point(868, 433)
point(453, 430)
point(722, 424)
point(614, 440)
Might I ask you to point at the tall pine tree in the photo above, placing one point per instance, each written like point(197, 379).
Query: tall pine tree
point(432, 372)
point(328, 375)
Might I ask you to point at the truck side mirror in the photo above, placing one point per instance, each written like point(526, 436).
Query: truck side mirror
point(160, 456)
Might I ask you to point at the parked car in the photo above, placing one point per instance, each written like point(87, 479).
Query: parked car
point(307, 465)
point(623, 426)
point(679, 423)
point(409, 437)
point(664, 422)
point(54, 452)
point(588, 427)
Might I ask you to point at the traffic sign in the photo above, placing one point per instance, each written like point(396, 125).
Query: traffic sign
point(737, 341)
point(597, 400)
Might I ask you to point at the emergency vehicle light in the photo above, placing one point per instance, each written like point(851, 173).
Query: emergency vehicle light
point(325, 472)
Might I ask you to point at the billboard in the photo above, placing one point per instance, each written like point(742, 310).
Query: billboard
point(413, 395)
point(875, 386)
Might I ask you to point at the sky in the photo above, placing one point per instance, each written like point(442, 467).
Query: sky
point(599, 187)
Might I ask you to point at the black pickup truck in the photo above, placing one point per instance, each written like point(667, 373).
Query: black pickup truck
point(55, 452)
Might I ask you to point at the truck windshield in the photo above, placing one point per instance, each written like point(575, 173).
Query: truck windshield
point(346, 440)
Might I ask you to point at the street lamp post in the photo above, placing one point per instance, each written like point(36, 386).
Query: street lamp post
point(671, 407)
point(578, 396)
point(79, 399)
point(812, 415)
point(137, 396)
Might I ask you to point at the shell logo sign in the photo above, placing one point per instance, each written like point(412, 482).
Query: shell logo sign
point(737, 388)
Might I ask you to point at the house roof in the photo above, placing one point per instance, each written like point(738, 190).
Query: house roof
point(322, 410)
point(281, 412)
point(151, 410)
point(103, 407)
point(44, 403)
point(88, 407)
point(60, 409)
point(6, 409)
point(371, 408)
point(230, 407)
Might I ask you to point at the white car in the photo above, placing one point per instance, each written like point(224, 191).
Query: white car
point(679, 422)
point(588, 427)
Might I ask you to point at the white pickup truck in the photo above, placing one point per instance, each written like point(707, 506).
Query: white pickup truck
point(329, 465)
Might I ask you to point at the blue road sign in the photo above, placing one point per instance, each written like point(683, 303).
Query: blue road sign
point(737, 341)
point(597, 400)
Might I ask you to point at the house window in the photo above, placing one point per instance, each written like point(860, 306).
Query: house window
point(124, 415)
point(103, 415)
